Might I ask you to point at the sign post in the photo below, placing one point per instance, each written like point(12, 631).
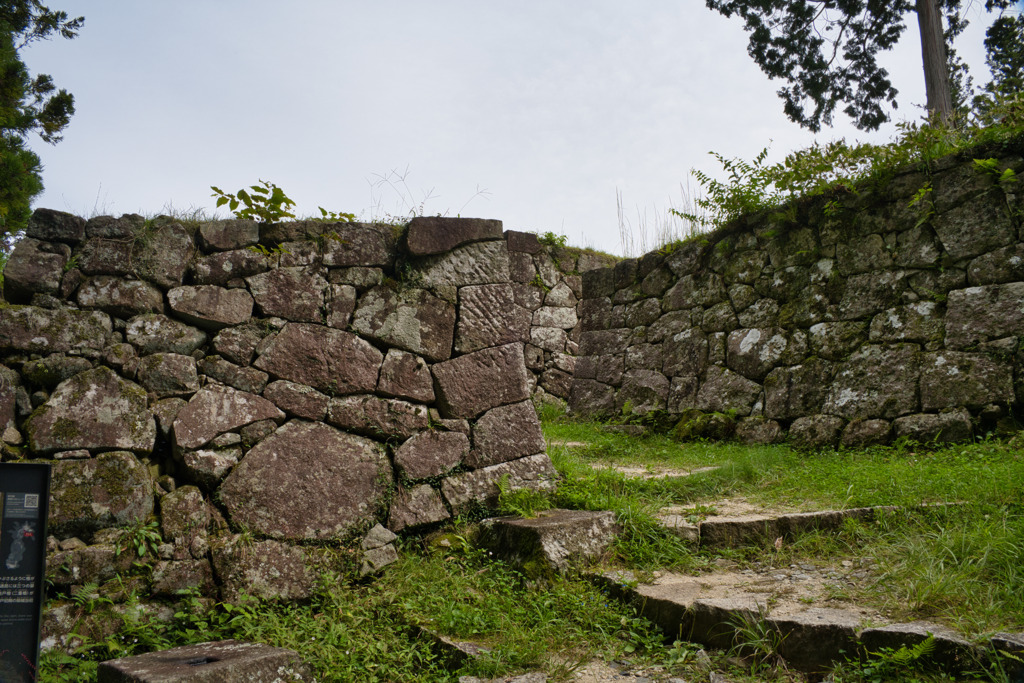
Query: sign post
point(24, 500)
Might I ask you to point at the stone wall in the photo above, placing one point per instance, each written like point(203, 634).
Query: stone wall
point(279, 398)
point(546, 280)
point(886, 311)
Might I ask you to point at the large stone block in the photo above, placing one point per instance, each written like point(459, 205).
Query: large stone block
point(380, 418)
point(755, 352)
point(469, 385)
point(55, 226)
point(113, 489)
point(590, 398)
point(642, 391)
point(411, 319)
point(505, 433)
point(437, 234)
point(264, 569)
point(979, 314)
point(973, 229)
point(298, 399)
point(217, 269)
point(228, 234)
point(481, 263)
point(416, 507)
point(156, 333)
point(951, 379)
point(917, 322)
point(358, 244)
point(216, 409)
point(162, 254)
point(555, 540)
point(480, 487)
point(290, 293)
point(793, 392)
point(329, 360)
point(307, 481)
point(210, 307)
point(95, 410)
point(120, 298)
point(489, 316)
point(876, 382)
point(724, 390)
point(34, 267)
point(431, 453)
point(168, 374)
point(404, 375)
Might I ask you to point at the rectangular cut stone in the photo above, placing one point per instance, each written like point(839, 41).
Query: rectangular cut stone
point(468, 385)
point(950, 379)
point(481, 263)
point(227, 661)
point(480, 487)
point(979, 314)
point(38, 330)
point(489, 316)
point(437, 234)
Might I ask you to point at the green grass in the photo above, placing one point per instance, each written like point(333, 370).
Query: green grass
point(962, 564)
point(365, 632)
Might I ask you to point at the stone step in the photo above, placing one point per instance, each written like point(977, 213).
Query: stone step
point(725, 609)
point(763, 529)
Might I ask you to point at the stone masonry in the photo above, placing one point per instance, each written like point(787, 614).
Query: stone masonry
point(853, 319)
point(274, 395)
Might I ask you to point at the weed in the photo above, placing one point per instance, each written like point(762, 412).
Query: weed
point(264, 203)
point(551, 240)
point(141, 537)
point(757, 640)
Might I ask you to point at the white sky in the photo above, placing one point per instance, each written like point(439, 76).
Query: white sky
point(534, 112)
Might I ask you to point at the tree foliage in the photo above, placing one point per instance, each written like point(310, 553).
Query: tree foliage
point(827, 52)
point(27, 104)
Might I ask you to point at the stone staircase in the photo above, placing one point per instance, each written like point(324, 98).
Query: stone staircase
point(799, 610)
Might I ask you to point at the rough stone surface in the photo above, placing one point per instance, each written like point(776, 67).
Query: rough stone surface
point(113, 489)
point(505, 433)
point(471, 384)
point(210, 307)
point(381, 418)
point(481, 263)
point(290, 293)
point(168, 374)
point(156, 333)
point(307, 481)
point(38, 330)
point(411, 319)
point(221, 268)
point(816, 431)
point(297, 400)
point(34, 267)
point(404, 375)
point(95, 410)
point(329, 360)
point(229, 234)
point(416, 507)
point(121, 298)
point(949, 427)
point(554, 540)
point(264, 569)
point(358, 244)
point(216, 409)
point(480, 487)
point(434, 235)
point(432, 453)
point(489, 316)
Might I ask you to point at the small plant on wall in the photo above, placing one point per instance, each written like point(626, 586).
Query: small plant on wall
point(267, 203)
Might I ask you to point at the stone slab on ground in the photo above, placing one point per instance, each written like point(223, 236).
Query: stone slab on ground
point(558, 539)
point(709, 608)
point(226, 661)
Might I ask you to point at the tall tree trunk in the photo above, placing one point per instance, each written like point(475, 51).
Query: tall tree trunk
point(933, 51)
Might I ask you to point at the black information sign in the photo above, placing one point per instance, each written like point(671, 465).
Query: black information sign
point(24, 498)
